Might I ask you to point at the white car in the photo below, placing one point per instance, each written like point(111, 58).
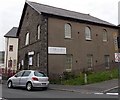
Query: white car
point(0, 77)
point(29, 79)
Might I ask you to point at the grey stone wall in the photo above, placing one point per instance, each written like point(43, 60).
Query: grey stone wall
point(30, 22)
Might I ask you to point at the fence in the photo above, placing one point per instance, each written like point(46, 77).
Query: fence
point(6, 73)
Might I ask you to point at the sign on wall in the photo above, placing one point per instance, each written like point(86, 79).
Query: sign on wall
point(117, 57)
point(30, 60)
point(56, 50)
point(31, 53)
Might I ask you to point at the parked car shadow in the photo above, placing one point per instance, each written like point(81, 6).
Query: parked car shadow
point(34, 89)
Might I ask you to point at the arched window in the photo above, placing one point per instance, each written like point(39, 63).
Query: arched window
point(105, 37)
point(38, 32)
point(88, 34)
point(27, 38)
point(68, 31)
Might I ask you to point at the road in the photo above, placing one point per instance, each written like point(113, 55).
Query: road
point(22, 93)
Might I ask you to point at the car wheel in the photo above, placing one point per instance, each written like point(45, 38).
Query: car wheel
point(29, 86)
point(9, 85)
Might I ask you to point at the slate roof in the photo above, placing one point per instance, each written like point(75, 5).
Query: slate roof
point(12, 33)
point(66, 13)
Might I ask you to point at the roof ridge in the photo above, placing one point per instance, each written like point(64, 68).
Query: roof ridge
point(57, 7)
point(71, 14)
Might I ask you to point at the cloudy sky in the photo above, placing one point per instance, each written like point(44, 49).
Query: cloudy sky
point(11, 10)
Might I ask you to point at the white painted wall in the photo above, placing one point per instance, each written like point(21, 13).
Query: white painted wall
point(11, 54)
point(118, 12)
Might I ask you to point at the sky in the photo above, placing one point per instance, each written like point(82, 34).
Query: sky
point(11, 11)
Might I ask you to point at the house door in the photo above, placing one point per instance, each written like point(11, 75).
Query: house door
point(26, 62)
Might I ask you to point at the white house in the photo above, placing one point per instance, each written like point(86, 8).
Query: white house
point(11, 49)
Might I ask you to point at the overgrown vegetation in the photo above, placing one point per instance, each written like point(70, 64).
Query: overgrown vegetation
point(92, 77)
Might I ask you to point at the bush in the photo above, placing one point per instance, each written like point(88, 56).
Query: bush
point(68, 75)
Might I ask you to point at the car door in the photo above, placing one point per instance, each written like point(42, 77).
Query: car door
point(17, 78)
point(24, 78)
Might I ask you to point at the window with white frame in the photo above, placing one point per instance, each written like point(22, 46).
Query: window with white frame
point(38, 59)
point(90, 61)
point(107, 60)
point(69, 60)
point(38, 32)
point(88, 34)
point(105, 37)
point(68, 31)
point(10, 47)
point(27, 38)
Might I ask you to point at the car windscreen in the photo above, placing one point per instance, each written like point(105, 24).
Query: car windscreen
point(39, 74)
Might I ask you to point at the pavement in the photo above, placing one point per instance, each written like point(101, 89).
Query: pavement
point(87, 89)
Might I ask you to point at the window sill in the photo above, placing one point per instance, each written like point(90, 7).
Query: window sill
point(68, 70)
point(105, 41)
point(68, 38)
point(88, 39)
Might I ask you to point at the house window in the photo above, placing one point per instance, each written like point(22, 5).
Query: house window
point(10, 47)
point(38, 59)
point(27, 39)
point(38, 32)
point(68, 31)
point(88, 35)
point(107, 60)
point(105, 37)
point(69, 60)
point(90, 61)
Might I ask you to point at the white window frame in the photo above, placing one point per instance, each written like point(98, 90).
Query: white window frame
point(11, 48)
point(107, 60)
point(38, 32)
point(69, 62)
point(88, 34)
point(90, 61)
point(27, 38)
point(68, 30)
point(105, 35)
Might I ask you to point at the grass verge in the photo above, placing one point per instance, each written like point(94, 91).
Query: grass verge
point(92, 77)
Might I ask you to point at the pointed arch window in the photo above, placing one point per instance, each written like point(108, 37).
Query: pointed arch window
point(88, 34)
point(38, 32)
point(105, 37)
point(68, 31)
point(27, 36)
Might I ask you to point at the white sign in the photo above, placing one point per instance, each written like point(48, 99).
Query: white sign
point(22, 62)
point(31, 53)
point(117, 57)
point(56, 50)
point(30, 60)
